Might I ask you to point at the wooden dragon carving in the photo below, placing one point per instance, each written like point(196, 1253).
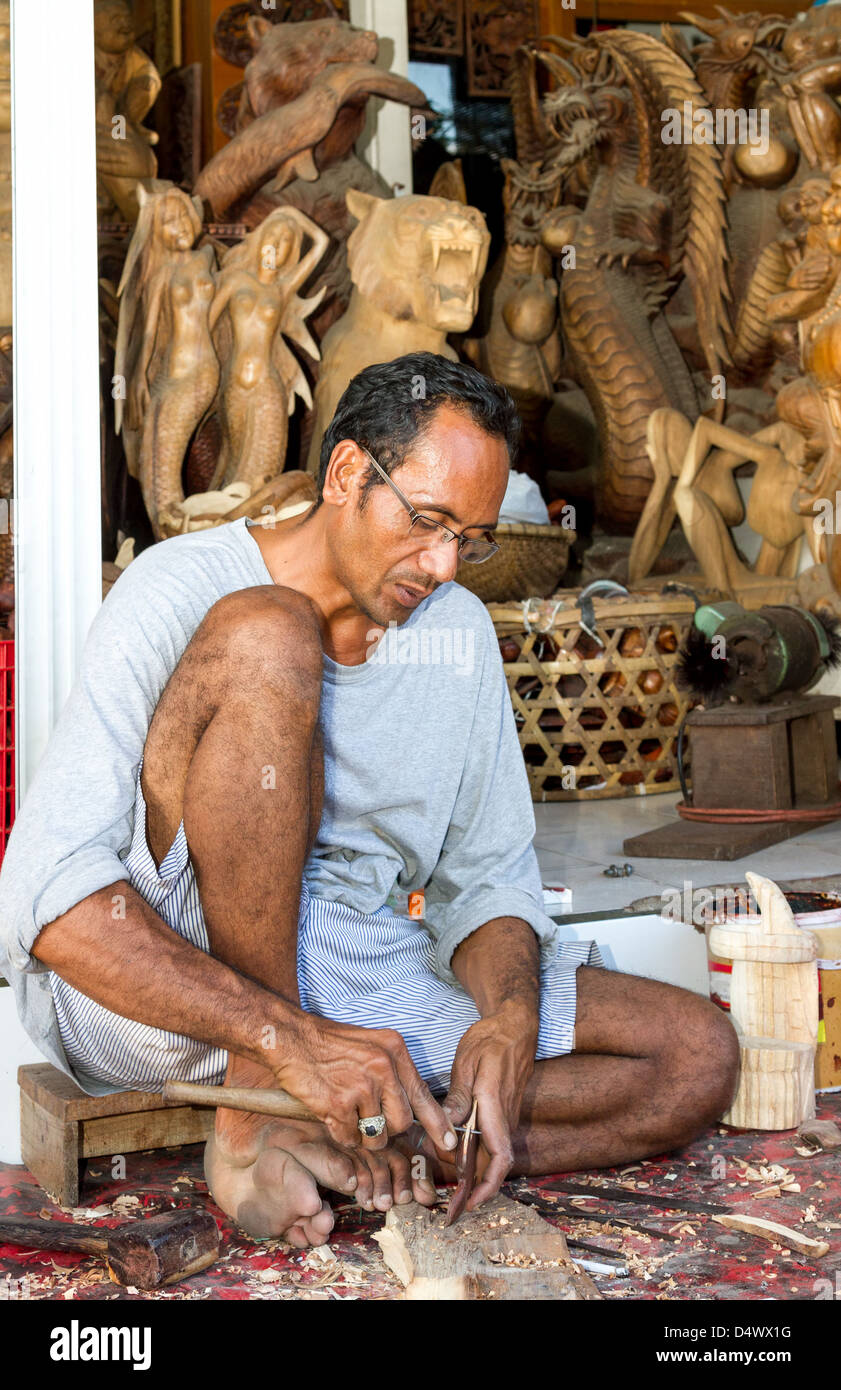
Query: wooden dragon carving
point(652, 213)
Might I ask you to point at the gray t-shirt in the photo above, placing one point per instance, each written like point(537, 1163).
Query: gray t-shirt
point(425, 785)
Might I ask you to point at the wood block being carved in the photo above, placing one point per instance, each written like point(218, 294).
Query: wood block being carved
point(774, 1009)
point(502, 1251)
point(776, 1085)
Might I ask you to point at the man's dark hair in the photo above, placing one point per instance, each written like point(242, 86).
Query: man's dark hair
point(389, 405)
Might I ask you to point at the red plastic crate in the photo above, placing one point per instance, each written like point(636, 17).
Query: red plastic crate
point(7, 742)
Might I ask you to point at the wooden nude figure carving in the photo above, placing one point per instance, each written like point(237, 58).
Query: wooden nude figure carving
point(255, 306)
point(416, 264)
point(693, 479)
point(164, 349)
point(127, 84)
point(774, 1009)
point(521, 347)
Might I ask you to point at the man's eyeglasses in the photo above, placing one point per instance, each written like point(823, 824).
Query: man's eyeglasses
point(474, 552)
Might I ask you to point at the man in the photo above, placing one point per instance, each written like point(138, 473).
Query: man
point(249, 763)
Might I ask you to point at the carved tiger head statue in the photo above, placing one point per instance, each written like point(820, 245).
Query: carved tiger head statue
point(418, 258)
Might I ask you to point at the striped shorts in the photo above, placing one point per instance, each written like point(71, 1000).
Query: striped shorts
point(375, 970)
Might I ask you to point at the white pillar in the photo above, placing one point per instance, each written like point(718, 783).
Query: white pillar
point(386, 142)
point(58, 544)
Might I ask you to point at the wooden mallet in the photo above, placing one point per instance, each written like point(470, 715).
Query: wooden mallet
point(144, 1254)
point(253, 1098)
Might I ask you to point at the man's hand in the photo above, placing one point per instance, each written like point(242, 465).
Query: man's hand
point(499, 966)
point(493, 1063)
point(344, 1074)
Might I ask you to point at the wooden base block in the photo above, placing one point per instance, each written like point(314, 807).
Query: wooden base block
point(776, 1085)
point(771, 757)
point(61, 1125)
point(503, 1251)
point(684, 839)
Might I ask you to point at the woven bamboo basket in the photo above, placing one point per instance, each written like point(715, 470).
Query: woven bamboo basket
point(597, 712)
point(530, 560)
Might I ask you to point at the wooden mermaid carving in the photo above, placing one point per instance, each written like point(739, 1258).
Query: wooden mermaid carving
point(165, 355)
point(255, 307)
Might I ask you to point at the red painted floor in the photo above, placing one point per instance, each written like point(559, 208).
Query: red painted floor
point(685, 1256)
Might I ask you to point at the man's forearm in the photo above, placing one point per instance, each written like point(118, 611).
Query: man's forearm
point(500, 964)
point(140, 968)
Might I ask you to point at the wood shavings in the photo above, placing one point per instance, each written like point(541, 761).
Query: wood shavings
point(683, 1228)
point(322, 1254)
point(518, 1259)
point(772, 1175)
point(124, 1203)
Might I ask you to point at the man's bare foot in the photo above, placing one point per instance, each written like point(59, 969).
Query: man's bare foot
point(265, 1173)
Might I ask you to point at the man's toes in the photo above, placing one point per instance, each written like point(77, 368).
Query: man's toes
point(318, 1228)
point(297, 1236)
point(275, 1196)
point(314, 1231)
point(283, 1180)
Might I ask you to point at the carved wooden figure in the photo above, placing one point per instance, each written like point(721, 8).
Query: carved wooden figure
point(127, 83)
point(521, 347)
point(812, 403)
point(693, 479)
point(416, 264)
point(255, 307)
point(164, 354)
point(774, 1009)
point(648, 214)
point(295, 121)
point(303, 104)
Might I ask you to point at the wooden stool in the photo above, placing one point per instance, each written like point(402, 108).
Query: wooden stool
point(60, 1126)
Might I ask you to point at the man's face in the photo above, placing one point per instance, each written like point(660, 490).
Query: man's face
point(455, 474)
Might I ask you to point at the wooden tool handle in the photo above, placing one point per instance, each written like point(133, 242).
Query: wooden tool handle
point(253, 1098)
point(34, 1233)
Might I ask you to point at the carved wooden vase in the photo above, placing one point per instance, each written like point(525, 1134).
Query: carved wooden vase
point(774, 1009)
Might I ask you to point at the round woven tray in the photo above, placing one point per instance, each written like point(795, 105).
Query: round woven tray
point(528, 564)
